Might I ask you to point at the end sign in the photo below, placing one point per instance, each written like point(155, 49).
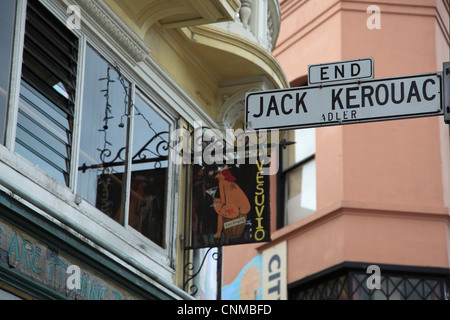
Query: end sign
point(340, 71)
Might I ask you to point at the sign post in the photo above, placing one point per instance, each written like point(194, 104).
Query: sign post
point(446, 92)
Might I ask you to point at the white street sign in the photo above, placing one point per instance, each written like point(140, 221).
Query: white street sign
point(340, 71)
point(342, 103)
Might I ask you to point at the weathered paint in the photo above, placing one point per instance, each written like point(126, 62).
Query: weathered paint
point(42, 264)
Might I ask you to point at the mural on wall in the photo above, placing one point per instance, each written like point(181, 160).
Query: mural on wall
point(248, 284)
point(263, 278)
point(230, 205)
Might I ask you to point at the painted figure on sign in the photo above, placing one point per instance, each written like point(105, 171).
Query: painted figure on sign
point(232, 204)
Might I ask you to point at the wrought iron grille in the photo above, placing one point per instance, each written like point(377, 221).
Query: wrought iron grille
point(398, 287)
point(333, 289)
point(352, 285)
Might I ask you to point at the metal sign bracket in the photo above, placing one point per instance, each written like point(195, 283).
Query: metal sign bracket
point(446, 91)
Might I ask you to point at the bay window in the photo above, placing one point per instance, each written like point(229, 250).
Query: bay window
point(111, 154)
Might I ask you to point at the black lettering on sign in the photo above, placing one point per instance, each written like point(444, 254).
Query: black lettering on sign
point(366, 94)
point(340, 71)
point(425, 95)
point(323, 73)
point(301, 102)
point(286, 112)
point(285, 105)
point(336, 98)
point(382, 88)
point(272, 106)
point(356, 71)
point(402, 93)
point(351, 97)
point(382, 94)
point(414, 92)
point(261, 108)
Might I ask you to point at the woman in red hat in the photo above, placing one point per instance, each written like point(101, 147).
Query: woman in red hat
point(232, 203)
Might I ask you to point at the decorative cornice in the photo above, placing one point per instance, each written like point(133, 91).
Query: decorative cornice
point(174, 14)
point(231, 98)
point(235, 44)
point(100, 15)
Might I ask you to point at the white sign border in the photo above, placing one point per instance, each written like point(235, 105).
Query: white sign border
point(439, 112)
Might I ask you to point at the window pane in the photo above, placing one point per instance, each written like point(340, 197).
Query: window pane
point(103, 136)
point(305, 146)
point(149, 177)
point(300, 192)
point(44, 126)
point(7, 14)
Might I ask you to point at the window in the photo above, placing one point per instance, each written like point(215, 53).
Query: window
point(76, 116)
point(47, 94)
point(149, 172)
point(298, 176)
point(107, 144)
point(7, 14)
point(103, 147)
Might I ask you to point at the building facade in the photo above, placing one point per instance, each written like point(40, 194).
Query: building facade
point(362, 209)
point(94, 204)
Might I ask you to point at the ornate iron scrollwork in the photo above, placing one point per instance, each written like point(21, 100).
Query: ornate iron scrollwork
point(191, 273)
point(155, 150)
point(158, 153)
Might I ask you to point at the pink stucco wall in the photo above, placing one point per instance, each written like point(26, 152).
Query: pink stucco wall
point(383, 189)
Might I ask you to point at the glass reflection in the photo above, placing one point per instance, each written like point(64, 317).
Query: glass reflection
point(149, 176)
point(103, 136)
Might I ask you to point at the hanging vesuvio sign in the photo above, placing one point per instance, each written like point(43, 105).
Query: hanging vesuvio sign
point(342, 103)
point(230, 205)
